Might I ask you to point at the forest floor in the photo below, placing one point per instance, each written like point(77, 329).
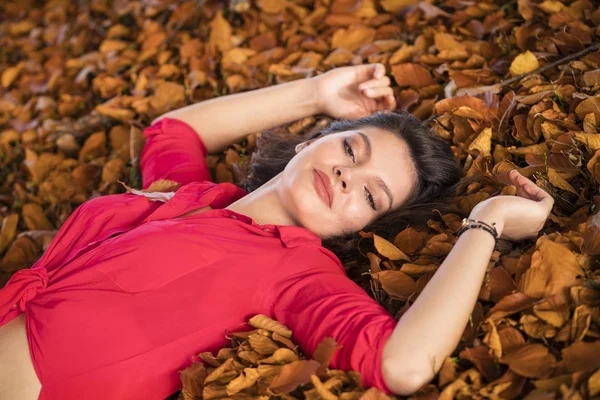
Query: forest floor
point(510, 85)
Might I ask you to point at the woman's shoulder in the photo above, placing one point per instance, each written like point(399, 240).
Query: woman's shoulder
point(311, 257)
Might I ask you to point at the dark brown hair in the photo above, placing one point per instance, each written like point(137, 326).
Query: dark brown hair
point(438, 173)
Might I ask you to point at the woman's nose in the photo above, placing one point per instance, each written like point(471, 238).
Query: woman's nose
point(342, 176)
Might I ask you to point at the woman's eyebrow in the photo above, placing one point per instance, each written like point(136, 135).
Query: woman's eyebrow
point(379, 181)
point(387, 191)
point(367, 142)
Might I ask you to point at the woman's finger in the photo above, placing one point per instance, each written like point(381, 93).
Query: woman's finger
point(526, 185)
point(390, 101)
point(378, 92)
point(373, 83)
point(379, 71)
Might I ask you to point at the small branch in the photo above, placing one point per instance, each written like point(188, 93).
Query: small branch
point(552, 64)
point(84, 126)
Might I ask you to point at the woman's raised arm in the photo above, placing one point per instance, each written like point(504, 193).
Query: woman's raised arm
point(431, 328)
point(227, 119)
point(347, 92)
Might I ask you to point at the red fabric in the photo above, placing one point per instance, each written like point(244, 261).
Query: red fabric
point(126, 294)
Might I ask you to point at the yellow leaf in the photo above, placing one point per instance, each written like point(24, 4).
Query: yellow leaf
point(591, 140)
point(220, 34)
point(559, 263)
point(10, 74)
point(397, 5)
point(280, 356)
point(324, 393)
point(245, 380)
point(388, 250)
point(552, 7)
point(524, 63)
point(483, 142)
point(559, 182)
point(492, 339)
point(8, 230)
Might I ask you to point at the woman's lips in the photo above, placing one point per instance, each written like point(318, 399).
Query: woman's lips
point(323, 186)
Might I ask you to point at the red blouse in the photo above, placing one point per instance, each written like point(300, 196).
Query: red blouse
point(127, 294)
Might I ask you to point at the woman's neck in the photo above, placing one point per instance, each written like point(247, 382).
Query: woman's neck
point(264, 205)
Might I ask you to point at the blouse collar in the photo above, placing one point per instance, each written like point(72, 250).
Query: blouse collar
point(218, 196)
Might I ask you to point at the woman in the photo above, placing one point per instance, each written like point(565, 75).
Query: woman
point(130, 289)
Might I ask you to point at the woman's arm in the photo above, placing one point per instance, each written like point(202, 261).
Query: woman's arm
point(227, 119)
point(344, 93)
point(430, 330)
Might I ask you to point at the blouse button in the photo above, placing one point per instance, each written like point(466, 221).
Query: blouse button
point(267, 230)
point(234, 216)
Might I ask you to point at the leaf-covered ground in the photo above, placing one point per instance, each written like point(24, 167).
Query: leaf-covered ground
point(510, 85)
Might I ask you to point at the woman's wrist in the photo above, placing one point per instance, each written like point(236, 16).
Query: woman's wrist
point(488, 213)
point(319, 107)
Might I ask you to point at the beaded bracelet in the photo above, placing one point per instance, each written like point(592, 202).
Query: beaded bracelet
point(468, 223)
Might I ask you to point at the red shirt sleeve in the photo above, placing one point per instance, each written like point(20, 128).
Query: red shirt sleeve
point(173, 151)
point(315, 299)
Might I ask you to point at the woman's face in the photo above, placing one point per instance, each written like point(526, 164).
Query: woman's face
point(341, 182)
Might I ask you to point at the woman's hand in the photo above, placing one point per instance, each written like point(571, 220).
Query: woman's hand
point(516, 217)
point(354, 92)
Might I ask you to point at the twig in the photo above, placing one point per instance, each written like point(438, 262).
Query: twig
point(514, 79)
point(551, 65)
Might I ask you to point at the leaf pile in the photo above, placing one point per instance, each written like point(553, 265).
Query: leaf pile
point(264, 362)
point(509, 84)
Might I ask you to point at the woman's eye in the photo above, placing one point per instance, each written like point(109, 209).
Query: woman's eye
point(349, 150)
point(370, 199)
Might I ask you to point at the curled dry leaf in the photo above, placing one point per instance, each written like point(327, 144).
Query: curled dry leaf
point(292, 375)
point(263, 322)
point(324, 352)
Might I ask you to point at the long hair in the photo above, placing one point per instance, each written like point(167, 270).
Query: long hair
point(438, 173)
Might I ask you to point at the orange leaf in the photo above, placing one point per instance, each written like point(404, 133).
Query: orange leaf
point(413, 75)
point(530, 360)
point(396, 283)
point(409, 240)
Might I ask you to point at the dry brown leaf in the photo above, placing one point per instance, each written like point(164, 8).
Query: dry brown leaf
point(396, 283)
point(413, 75)
point(280, 356)
point(247, 378)
point(262, 344)
point(388, 250)
point(324, 352)
point(530, 360)
point(509, 305)
point(35, 219)
point(263, 322)
point(292, 375)
point(560, 265)
point(192, 381)
point(8, 230)
point(581, 356)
